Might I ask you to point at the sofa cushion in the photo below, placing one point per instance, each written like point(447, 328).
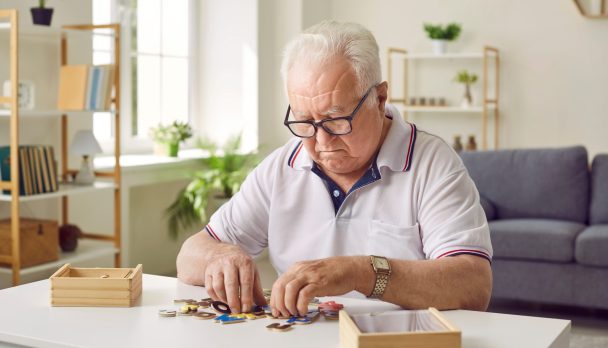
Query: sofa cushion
point(592, 246)
point(540, 183)
point(488, 208)
point(534, 239)
point(598, 213)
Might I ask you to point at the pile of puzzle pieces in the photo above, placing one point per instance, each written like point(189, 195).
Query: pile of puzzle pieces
point(223, 314)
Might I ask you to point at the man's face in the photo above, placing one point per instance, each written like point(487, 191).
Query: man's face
point(328, 91)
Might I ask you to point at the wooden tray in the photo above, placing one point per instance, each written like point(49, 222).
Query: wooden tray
point(445, 335)
point(96, 287)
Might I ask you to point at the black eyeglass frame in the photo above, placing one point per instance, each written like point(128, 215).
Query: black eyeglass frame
point(317, 124)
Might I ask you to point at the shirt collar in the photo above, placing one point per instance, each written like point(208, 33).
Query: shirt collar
point(396, 151)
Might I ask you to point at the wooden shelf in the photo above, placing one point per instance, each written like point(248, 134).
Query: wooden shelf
point(44, 31)
point(49, 113)
point(447, 109)
point(87, 249)
point(464, 55)
point(64, 190)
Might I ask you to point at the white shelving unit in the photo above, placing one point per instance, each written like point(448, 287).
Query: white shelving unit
point(90, 253)
point(489, 103)
point(64, 191)
point(92, 248)
point(49, 113)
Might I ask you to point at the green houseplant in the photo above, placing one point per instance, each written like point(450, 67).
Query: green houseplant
point(171, 135)
point(225, 172)
point(440, 35)
point(467, 79)
point(42, 15)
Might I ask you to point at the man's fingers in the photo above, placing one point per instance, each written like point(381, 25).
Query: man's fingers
point(209, 287)
point(277, 300)
point(304, 296)
point(218, 287)
point(246, 278)
point(258, 292)
point(292, 289)
point(231, 283)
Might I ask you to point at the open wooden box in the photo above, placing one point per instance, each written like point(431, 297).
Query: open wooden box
point(443, 335)
point(95, 287)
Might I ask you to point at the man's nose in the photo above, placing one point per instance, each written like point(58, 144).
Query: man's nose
point(323, 137)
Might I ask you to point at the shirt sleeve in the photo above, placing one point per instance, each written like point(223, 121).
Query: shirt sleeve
point(451, 218)
point(243, 220)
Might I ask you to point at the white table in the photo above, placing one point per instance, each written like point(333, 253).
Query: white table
point(27, 318)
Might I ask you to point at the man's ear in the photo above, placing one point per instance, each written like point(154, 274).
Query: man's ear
point(382, 96)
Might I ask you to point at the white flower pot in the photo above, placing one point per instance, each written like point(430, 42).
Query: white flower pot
point(439, 46)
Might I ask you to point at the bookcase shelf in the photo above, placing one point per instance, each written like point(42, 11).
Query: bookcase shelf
point(50, 113)
point(87, 249)
point(64, 190)
point(93, 246)
point(489, 103)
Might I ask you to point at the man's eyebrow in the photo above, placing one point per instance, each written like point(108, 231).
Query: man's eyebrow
point(331, 111)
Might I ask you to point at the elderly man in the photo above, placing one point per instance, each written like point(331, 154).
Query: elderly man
point(358, 201)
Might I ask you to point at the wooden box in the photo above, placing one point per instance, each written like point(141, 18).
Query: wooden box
point(95, 287)
point(440, 334)
point(39, 241)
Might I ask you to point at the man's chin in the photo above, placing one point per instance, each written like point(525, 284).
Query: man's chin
point(334, 165)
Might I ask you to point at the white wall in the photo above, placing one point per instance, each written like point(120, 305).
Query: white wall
point(554, 75)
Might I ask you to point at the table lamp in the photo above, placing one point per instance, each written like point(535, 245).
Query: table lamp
point(86, 145)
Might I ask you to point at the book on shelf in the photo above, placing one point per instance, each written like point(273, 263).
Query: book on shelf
point(37, 169)
point(85, 87)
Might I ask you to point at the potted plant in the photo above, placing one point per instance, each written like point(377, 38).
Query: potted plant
point(170, 136)
point(440, 35)
point(42, 15)
point(467, 79)
point(225, 172)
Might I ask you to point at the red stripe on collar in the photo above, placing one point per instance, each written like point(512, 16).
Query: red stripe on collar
point(410, 147)
point(293, 160)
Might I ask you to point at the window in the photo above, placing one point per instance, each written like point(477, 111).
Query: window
point(156, 64)
point(103, 53)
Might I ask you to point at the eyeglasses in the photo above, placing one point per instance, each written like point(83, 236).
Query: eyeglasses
point(335, 126)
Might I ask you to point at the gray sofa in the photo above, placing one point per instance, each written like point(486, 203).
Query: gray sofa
point(548, 217)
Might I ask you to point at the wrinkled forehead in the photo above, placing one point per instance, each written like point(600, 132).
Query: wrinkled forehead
point(321, 88)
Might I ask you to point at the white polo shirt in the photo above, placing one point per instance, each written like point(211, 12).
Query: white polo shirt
point(416, 202)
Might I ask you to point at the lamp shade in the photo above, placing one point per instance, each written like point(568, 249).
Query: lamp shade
point(84, 143)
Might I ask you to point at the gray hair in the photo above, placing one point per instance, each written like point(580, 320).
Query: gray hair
point(329, 39)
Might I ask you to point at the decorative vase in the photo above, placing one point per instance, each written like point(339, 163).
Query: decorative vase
point(68, 237)
point(457, 146)
point(467, 99)
point(172, 149)
point(471, 144)
point(42, 16)
point(439, 46)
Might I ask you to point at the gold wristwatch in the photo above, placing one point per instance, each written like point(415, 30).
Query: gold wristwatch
point(383, 273)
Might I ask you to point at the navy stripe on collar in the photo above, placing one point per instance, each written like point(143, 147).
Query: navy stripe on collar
point(294, 154)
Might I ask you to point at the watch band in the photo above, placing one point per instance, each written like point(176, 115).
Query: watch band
point(380, 286)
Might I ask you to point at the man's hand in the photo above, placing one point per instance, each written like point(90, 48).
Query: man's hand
point(332, 276)
point(232, 277)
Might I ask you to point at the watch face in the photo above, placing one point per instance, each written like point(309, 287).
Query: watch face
point(381, 263)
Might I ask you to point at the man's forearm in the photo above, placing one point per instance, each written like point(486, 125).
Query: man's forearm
point(463, 282)
point(193, 257)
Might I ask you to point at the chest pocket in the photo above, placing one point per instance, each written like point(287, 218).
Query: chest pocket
point(399, 242)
